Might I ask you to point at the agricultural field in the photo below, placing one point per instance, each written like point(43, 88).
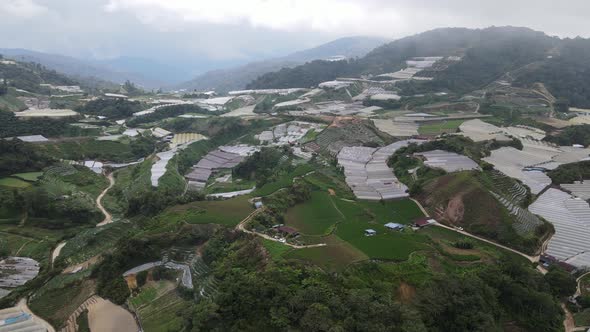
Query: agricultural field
point(61, 296)
point(164, 313)
point(227, 212)
point(31, 240)
point(285, 180)
point(438, 128)
point(324, 214)
point(89, 149)
point(11, 182)
point(317, 216)
point(94, 241)
point(336, 256)
point(29, 177)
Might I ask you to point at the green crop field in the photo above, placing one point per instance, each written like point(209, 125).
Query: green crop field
point(336, 256)
point(350, 220)
point(94, 241)
point(29, 240)
point(275, 249)
point(150, 292)
point(437, 128)
point(316, 216)
point(227, 212)
point(31, 177)
point(284, 181)
point(13, 183)
point(164, 313)
point(387, 244)
point(61, 296)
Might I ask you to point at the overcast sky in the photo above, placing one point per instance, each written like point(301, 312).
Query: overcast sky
point(235, 30)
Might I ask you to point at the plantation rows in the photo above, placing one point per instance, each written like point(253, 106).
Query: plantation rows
point(514, 191)
point(525, 222)
point(206, 284)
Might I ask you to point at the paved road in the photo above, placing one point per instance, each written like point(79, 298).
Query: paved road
point(107, 216)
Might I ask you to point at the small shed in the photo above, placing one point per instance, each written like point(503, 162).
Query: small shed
point(394, 226)
point(423, 222)
point(258, 204)
point(370, 232)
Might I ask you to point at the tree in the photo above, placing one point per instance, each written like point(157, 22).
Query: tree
point(561, 282)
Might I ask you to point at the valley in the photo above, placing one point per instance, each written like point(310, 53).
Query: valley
point(437, 183)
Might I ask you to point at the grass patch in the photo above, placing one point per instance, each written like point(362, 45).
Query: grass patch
point(224, 212)
point(438, 128)
point(283, 181)
point(317, 216)
point(166, 313)
point(31, 176)
point(13, 183)
point(275, 249)
point(387, 244)
point(336, 256)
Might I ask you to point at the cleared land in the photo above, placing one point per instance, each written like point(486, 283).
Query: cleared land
point(103, 315)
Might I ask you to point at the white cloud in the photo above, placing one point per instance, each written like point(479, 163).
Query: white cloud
point(21, 8)
point(343, 16)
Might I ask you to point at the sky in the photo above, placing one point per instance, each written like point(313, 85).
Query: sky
point(233, 31)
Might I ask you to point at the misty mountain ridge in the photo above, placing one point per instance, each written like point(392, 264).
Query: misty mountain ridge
point(224, 80)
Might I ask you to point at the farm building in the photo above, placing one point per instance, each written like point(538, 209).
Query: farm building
point(115, 96)
point(159, 132)
point(17, 319)
point(480, 131)
point(448, 161)
point(571, 218)
point(16, 271)
point(226, 157)
point(33, 139)
point(45, 112)
point(367, 173)
point(406, 128)
point(579, 189)
point(287, 133)
point(159, 167)
point(370, 232)
point(423, 222)
point(394, 226)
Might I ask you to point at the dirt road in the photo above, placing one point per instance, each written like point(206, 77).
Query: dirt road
point(241, 227)
point(56, 252)
point(107, 216)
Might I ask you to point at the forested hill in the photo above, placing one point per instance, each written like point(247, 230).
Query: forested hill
point(28, 76)
point(237, 78)
point(487, 54)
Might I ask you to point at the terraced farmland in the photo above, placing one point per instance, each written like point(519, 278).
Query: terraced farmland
point(205, 283)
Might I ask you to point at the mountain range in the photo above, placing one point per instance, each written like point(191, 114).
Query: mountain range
point(152, 74)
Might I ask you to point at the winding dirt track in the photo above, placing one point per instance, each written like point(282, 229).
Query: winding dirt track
point(107, 216)
point(242, 224)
